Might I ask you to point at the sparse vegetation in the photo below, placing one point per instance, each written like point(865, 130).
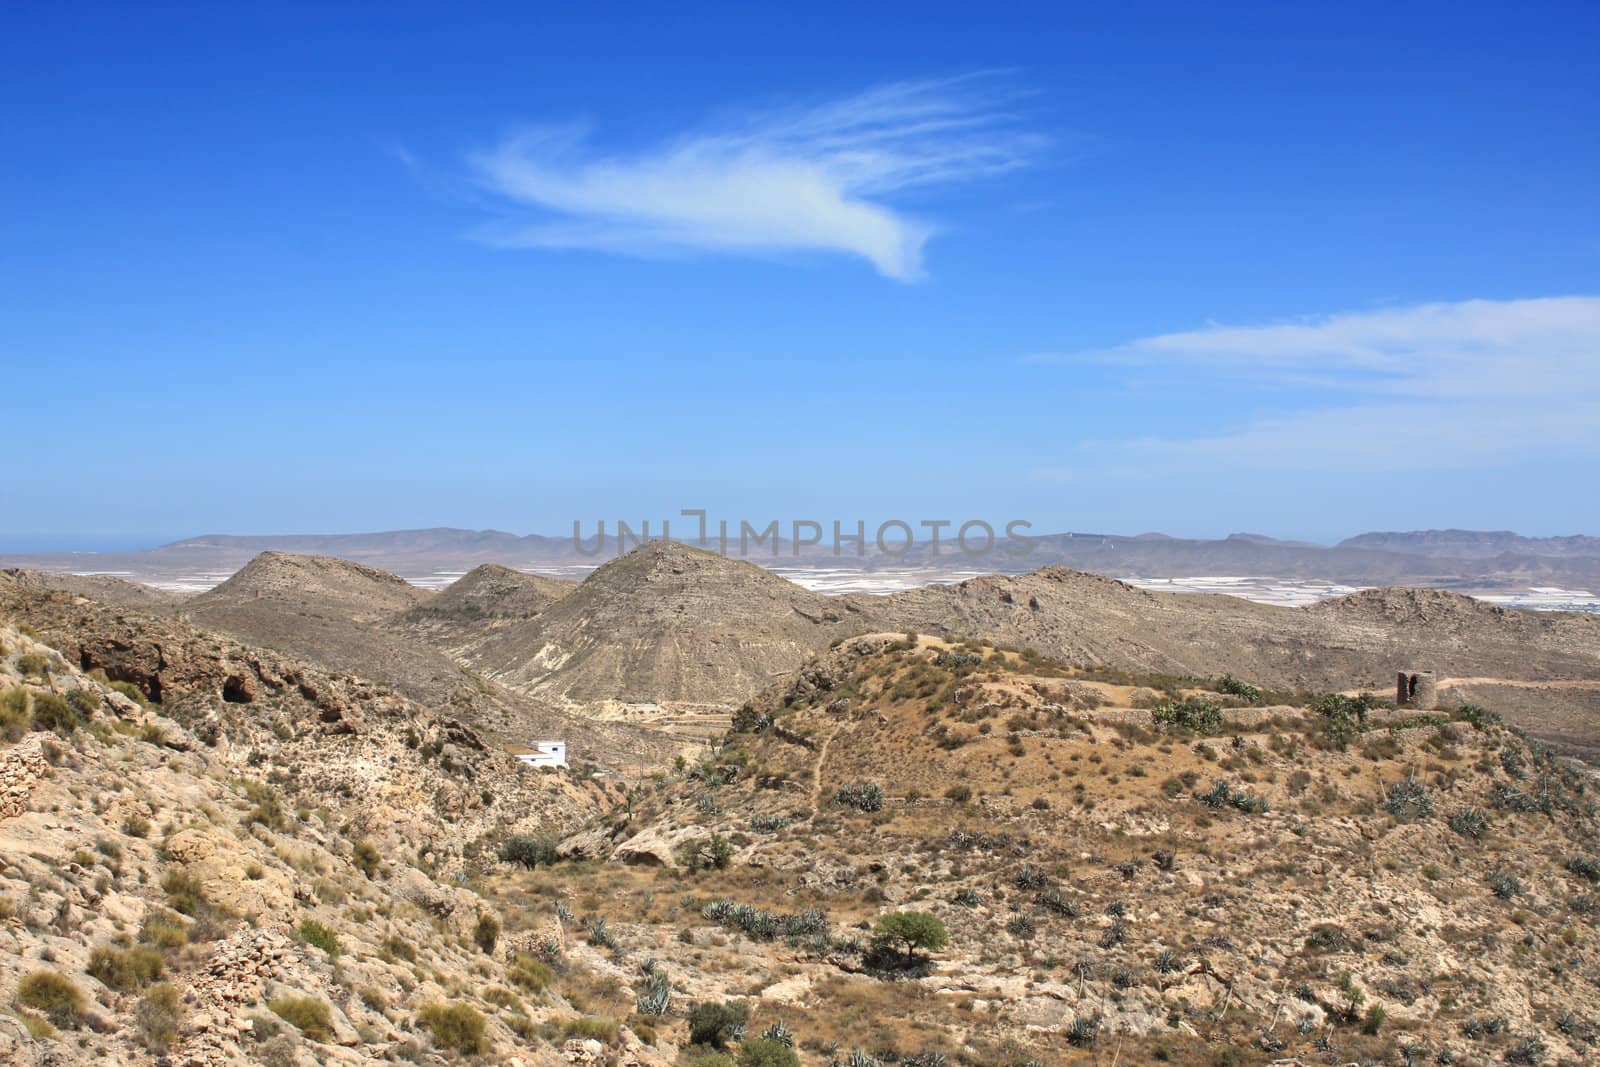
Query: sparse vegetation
point(125, 969)
point(455, 1026)
point(53, 995)
point(861, 796)
point(159, 1018)
point(316, 934)
point(310, 1016)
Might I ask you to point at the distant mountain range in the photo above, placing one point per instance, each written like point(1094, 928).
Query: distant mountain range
point(1474, 561)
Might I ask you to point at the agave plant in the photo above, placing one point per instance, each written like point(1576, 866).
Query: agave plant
point(780, 1032)
point(598, 934)
point(657, 1000)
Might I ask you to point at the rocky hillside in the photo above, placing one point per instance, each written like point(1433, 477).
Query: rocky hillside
point(163, 655)
point(485, 599)
point(1339, 644)
point(315, 586)
point(106, 588)
point(668, 623)
point(911, 851)
point(1108, 868)
point(493, 591)
point(269, 867)
point(332, 612)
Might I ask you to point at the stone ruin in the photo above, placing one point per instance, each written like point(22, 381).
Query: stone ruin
point(1417, 689)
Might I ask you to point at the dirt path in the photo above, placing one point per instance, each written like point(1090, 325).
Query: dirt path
point(816, 772)
point(1581, 684)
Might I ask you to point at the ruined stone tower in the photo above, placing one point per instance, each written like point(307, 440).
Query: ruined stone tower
point(1417, 689)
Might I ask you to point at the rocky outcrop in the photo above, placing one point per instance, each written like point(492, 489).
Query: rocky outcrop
point(22, 766)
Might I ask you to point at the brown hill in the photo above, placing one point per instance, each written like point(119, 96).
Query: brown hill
point(106, 588)
point(162, 654)
point(667, 622)
point(493, 591)
point(1090, 620)
point(173, 875)
point(1263, 885)
point(486, 599)
point(332, 612)
point(310, 585)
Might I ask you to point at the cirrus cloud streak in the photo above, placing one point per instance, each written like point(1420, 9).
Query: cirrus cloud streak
point(806, 179)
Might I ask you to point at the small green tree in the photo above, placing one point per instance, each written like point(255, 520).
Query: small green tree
point(527, 851)
point(716, 1024)
point(909, 931)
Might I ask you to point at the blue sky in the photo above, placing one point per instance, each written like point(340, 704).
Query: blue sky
point(1164, 267)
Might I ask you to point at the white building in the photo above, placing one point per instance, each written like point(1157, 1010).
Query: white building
point(546, 754)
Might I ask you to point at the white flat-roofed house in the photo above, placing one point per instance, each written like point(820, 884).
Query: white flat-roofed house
point(546, 754)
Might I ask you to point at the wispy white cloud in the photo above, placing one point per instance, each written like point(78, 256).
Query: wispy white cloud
point(813, 178)
point(1433, 386)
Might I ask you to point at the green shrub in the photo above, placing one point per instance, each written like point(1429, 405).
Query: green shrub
point(765, 1052)
point(400, 948)
point(136, 825)
point(862, 796)
point(1408, 801)
point(267, 808)
point(318, 935)
point(591, 1027)
point(31, 664)
point(84, 701)
point(501, 997)
point(716, 1024)
point(1584, 867)
point(712, 853)
point(125, 969)
point(184, 893)
point(164, 930)
point(528, 851)
point(1343, 717)
point(1196, 716)
point(455, 1026)
point(1238, 687)
point(307, 1014)
point(486, 933)
point(51, 712)
point(14, 718)
point(700, 1056)
point(1470, 822)
point(529, 973)
point(1504, 884)
point(158, 1018)
point(54, 996)
point(366, 858)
